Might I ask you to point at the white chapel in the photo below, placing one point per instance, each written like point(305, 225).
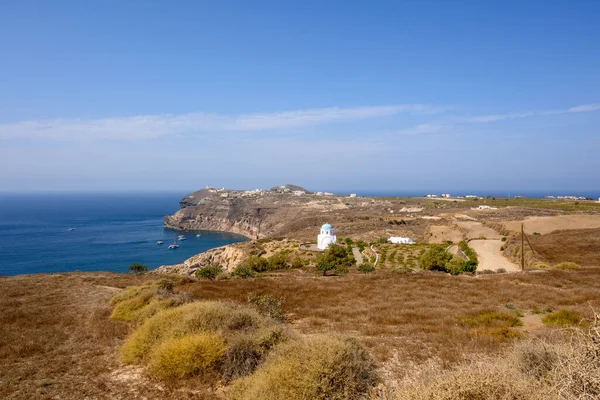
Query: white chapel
point(326, 237)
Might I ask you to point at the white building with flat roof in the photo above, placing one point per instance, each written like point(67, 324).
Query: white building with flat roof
point(401, 240)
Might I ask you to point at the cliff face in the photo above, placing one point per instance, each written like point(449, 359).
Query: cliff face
point(255, 214)
point(294, 213)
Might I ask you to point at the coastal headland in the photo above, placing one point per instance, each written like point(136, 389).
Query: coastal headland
point(453, 306)
point(290, 213)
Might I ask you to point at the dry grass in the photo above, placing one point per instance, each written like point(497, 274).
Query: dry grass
point(186, 356)
point(563, 366)
point(57, 340)
point(413, 316)
point(581, 246)
point(316, 368)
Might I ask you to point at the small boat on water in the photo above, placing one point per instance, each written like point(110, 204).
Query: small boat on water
point(159, 242)
point(72, 228)
point(181, 237)
point(198, 235)
point(174, 246)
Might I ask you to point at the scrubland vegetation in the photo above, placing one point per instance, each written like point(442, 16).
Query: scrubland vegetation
point(292, 334)
point(224, 341)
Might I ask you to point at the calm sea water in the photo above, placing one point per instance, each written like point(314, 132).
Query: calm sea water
point(112, 231)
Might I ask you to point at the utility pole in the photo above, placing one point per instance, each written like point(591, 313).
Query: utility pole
point(522, 248)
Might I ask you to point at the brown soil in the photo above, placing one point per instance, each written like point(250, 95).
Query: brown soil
point(547, 224)
point(444, 233)
point(581, 246)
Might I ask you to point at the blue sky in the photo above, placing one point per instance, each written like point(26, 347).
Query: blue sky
point(393, 96)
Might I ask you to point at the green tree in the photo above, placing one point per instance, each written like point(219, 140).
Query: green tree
point(336, 255)
point(137, 268)
point(435, 259)
point(210, 272)
point(324, 267)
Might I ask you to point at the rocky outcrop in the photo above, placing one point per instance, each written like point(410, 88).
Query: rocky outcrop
point(228, 257)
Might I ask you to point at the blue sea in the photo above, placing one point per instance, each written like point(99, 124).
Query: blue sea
point(112, 231)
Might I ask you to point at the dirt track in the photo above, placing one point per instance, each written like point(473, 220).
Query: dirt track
point(490, 257)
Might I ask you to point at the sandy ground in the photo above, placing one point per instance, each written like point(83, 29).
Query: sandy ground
point(442, 233)
point(357, 256)
point(532, 322)
point(475, 230)
point(490, 257)
point(454, 249)
point(549, 224)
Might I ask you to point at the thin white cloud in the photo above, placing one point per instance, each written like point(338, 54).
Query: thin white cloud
point(585, 107)
point(421, 128)
point(152, 126)
point(500, 117)
point(437, 126)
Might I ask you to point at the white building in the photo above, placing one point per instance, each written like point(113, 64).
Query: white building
point(401, 240)
point(352, 194)
point(326, 237)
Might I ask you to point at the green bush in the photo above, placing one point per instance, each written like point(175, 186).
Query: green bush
point(243, 271)
point(256, 264)
point(298, 262)
point(336, 257)
point(366, 268)
point(137, 268)
point(349, 241)
point(341, 270)
point(210, 272)
point(186, 356)
point(469, 252)
point(277, 261)
point(316, 368)
point(435, 259)
point(563, 317)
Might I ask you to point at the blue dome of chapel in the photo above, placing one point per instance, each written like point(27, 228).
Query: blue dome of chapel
point(326, 227)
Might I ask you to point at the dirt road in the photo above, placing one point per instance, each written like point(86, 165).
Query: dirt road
point(357, 256)
point(490, 257)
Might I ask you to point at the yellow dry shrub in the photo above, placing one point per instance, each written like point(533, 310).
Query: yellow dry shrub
point(127, 309)
point(567, 265)
point(186, 356)
point(483, 380)
point(315, 368)
point(189, 319)
point(128, 293)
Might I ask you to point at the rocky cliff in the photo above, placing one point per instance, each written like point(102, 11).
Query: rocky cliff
point(281, 210)
point(292, 212)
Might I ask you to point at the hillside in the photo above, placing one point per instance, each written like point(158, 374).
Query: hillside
point(287, 211)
